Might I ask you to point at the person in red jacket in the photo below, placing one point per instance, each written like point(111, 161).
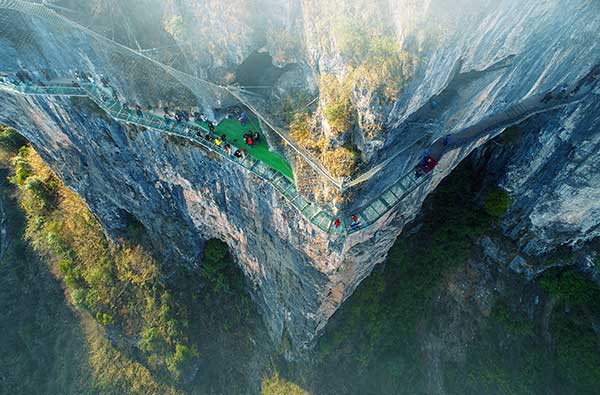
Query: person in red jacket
point(355, 222)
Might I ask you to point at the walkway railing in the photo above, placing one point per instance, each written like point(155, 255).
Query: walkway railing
point(320, 217)
point(40, 10)
point(315, 214)
point(341, 224)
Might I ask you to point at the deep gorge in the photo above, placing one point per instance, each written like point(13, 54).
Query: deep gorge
point(344, 98)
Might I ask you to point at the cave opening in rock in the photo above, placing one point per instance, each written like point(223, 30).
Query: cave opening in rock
point(258, 73)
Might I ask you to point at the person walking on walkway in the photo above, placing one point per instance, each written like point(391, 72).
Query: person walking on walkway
point(249, 140)
point(243, 119)
point(447, 140)
point(355, 222)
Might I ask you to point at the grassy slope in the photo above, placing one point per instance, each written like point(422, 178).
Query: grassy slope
point(50, 347)
point(119, 290)
point(43, 347)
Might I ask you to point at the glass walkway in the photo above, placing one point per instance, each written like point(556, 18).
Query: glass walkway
point(277, 176)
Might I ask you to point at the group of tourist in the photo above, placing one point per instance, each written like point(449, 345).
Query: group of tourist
point(251, 138)
point(221, 142)
point(183, 117)
point(354, 225)
point(21, 77)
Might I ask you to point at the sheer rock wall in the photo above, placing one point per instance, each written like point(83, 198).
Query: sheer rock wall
point(297, 275)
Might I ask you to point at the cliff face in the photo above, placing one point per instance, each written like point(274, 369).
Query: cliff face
point(549, 164)
point(474, 59)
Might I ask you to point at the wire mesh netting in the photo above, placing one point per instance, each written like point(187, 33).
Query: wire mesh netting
point(69, 46)
point(47, 46)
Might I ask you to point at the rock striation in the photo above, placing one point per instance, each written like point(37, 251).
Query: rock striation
point(475, 60)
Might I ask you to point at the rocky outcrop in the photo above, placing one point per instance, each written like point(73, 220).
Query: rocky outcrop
point(549, 165)
point(482, 60)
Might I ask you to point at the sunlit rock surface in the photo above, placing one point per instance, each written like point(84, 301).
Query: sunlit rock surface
point(476, 58)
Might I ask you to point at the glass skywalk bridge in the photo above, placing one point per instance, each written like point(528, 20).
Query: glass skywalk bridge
point(315, 214)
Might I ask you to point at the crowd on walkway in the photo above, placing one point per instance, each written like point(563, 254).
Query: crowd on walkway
point(193, 120)
point(204, 129)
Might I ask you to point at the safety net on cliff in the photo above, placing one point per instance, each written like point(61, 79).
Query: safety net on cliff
point(46, 51)
point(54, 43)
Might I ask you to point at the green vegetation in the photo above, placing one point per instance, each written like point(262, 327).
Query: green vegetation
point(46, 347)
point(338, 110)
point(376, 65)
point(573, 288)
point(352, 40)
point(22, 168)
point(379, 64)
point(497, 202)
point(511, 321)
point(275, 385)
point(181, 362)
point(114, 371)
point(577, 361)
point(577, 356)
point(107, 280)
point(380, 339)
point(120, 289)
point(386, 70)
point(301, 132)
point(294, 105)
point(516, 348)
point(378, 328)
point(195, 330)
point(10, 140)
point(215, 265)
point(223, 320)
point(35, 322)
point(341, 161)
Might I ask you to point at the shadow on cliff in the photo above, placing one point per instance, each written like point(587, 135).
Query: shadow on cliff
point(448, 314)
